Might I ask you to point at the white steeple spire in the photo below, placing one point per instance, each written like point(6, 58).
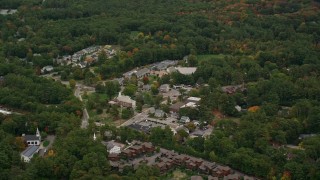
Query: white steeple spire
point(38, 133)
point(94, 136)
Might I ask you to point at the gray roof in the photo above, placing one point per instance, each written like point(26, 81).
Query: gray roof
point(31, 138)
point(198, 133)
point(159, 113)
point(142, 72)
point(110, 146)
point(164, 86)
point(138, 127)
point(184, 118)
point(30, 151)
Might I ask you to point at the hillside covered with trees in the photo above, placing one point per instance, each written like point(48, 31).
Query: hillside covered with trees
point(271, 46)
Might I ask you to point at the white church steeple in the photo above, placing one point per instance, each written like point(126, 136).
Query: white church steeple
point(38, 133)
point(94, 136)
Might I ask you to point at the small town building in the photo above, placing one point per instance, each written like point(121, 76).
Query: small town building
point(32, 140)
point(152, 110)
point(164, 88)
point(159, 113)
point(190, 105)
point(184, 119)
point(174, 108)
point(113, 157)
point(124, 101)
point(46, 69)
point(28, 153)
point(142, 73)
point(233, 89)
point(171, 70)
point(114, 147)
point(195, 100)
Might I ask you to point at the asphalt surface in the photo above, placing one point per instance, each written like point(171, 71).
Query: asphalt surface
point(85, 115)
point(49, 138)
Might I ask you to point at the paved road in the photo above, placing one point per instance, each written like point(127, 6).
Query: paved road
point(85, 115)
point(77, 92)
point(138, 117)
point(171, 122)
point(49, 138)
point(85, 119)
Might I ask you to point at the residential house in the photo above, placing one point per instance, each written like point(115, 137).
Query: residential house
point(171, 70)
point(113, 157)
point(172, 93)
point(28, 153)
point(238, 108)
point(232, 177)
point(148, 147)
point(164, 88)
point(114, 147)
point(233, 89)
point(197, 161)
point(124, 101)
point(99, 124)
point(46, 69)
point(137, 149)
point(164, 64)
point(159, 113)
point(207, 167)
point(139, 127)
point(179, 159)
point(161, 166)
point(191, 165)
point(190, 105)
point(184, 119)
point(108, 134)
point(120, 81)
point(142, 73)
point(32, 140)
point(158, 73)
point(127, 153)
point(195, 100)
point(7, 11)
point(174, 108)
point(129, 74)
point(82, 64)
point(152, 110)
point(221, 171)
point(198, 133)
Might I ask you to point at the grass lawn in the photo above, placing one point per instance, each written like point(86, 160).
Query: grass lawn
point(97, 96)
point(46, 143)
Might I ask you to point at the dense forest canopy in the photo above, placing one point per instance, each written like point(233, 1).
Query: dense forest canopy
point(272, 46)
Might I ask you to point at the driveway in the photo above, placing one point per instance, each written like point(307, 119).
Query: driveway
point(43, 149)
